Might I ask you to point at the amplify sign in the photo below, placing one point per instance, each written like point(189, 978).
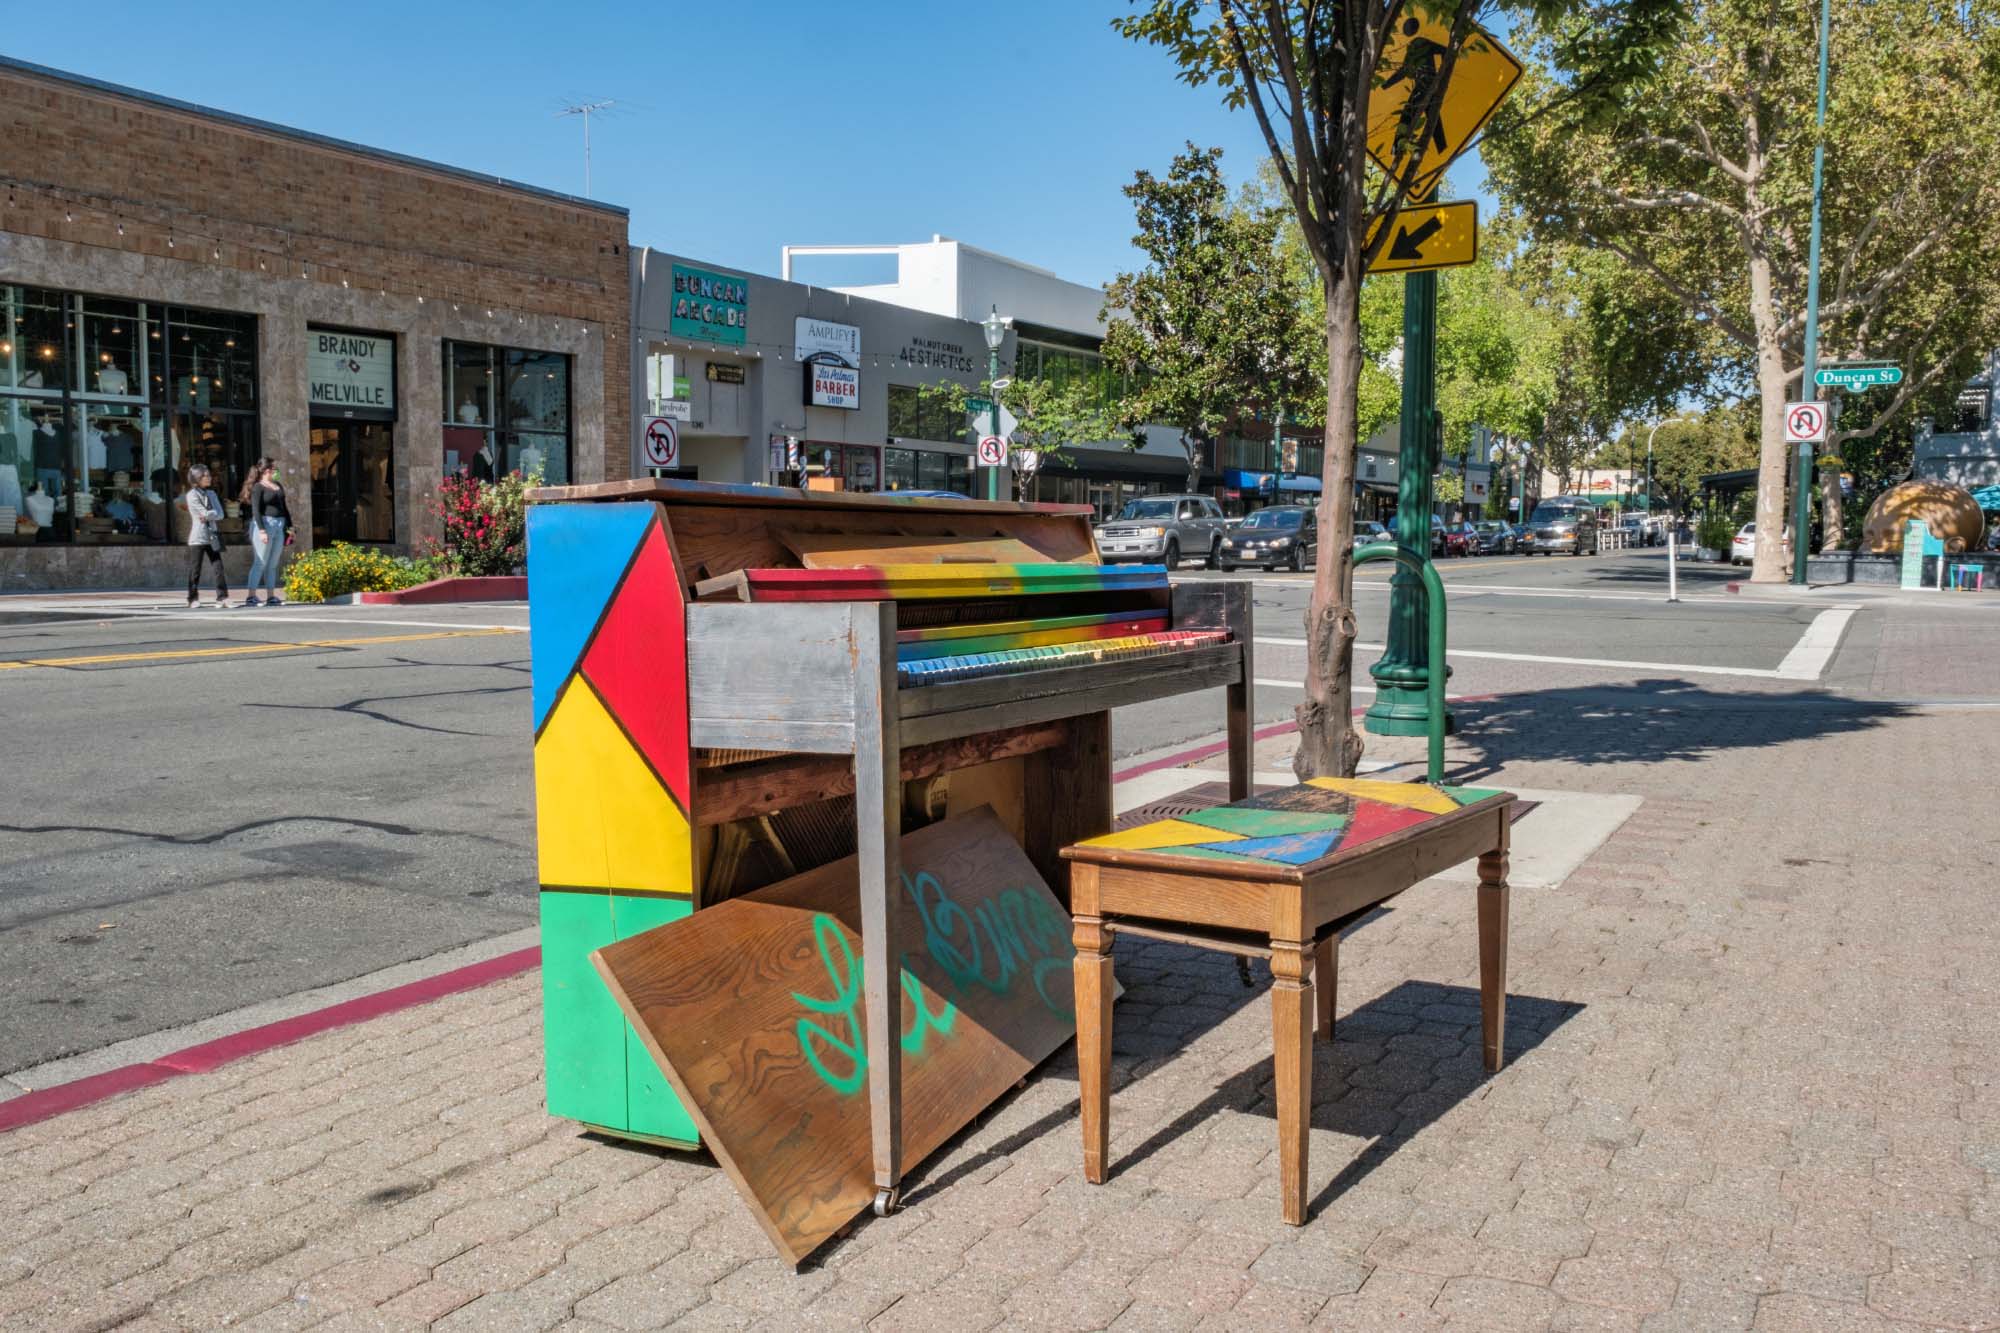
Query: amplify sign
point(712, 307)
point(351, 374)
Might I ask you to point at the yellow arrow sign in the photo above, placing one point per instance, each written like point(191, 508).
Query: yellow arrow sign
point(1406, 83)
point(1430, 236)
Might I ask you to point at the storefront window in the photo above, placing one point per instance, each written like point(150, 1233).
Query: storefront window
point(89, 452)
point(507, 410)
point(899, 469)
point(914, 415)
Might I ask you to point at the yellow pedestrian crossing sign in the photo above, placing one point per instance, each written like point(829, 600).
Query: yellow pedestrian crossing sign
point(1406, 84)
point(1428, 236)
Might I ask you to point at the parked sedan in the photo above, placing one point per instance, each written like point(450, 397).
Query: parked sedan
point(1459, 539)
point(1368, 534)
point(1280, 535)
point(1496, 538)
point(1743, 547)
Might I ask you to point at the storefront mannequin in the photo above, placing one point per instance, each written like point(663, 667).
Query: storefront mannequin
point(48, 449)
point(112, 380)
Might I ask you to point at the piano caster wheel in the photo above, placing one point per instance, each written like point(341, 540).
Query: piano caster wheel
point(887, 1201)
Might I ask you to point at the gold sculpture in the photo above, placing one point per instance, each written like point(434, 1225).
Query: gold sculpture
point(1950, 512)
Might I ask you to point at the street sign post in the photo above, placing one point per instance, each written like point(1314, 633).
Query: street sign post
point(1482, 76)
point(660, 442)
point(1805, 423)
point(1857, 375)
point(1430, 236)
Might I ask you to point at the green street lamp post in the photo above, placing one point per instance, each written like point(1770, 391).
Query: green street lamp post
point(995, 329)
point(1402, 676)
point(1808, 389)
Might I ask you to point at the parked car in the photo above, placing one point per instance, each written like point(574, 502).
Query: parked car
point(1743, 546)
point(1460, 539)
point(1280, 535)
point(1561, 524)
point(1369, 533)
point(1496, 538)
point(1162, 529)
point(1640, 531)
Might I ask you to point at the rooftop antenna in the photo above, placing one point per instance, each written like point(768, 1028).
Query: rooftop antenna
point(586, 110)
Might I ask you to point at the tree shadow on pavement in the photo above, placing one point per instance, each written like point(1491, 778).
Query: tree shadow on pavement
point(1646, 721)
point(1394, 1066)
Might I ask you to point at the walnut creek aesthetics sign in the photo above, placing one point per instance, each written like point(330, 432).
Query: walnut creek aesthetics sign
point(350, 374)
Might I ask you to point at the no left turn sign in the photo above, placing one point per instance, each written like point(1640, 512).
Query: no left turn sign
point(661, 442)
point(1805, 423)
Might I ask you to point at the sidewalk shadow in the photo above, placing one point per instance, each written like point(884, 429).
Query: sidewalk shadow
point(1647, 721)
point(1389, 1090)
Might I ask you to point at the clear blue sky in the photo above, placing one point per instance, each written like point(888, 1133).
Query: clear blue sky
point(740, 127)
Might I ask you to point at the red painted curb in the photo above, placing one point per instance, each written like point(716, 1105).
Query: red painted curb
point(489, 588)
point(44, 1103)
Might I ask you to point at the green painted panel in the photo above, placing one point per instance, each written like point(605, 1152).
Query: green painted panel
point(583, 1031)
point(1469, 795)
point(1253, 823)
point(651, 1106)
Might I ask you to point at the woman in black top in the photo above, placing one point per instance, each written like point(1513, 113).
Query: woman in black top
point(270, 522)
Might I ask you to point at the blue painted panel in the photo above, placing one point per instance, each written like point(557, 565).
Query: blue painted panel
point(1294, 849)
point(576, 555)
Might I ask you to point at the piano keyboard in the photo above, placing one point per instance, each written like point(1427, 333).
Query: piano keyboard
point(967, 666)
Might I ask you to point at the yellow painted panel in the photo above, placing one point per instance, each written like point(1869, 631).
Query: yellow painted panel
point(602, 819)
point(1410, 795)
point(1162, 833)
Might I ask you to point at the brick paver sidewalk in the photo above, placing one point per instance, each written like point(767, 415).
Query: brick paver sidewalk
point(1754, 1082)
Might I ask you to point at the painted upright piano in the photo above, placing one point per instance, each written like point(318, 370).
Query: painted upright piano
point(735, 684)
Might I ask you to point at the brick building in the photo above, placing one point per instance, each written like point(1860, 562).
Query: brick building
point(178, 284)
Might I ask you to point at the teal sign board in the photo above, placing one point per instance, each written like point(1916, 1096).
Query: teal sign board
point(1858, 376)
point(712, 307)
point(1918, 543)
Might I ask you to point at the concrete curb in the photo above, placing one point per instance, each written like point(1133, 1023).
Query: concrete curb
point(84, 1089)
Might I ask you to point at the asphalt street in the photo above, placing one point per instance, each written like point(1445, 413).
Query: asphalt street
point(216, 808)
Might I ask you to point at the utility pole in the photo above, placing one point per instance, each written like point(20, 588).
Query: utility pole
point(587, 110)
point(1402, 676)
point(1808, 391)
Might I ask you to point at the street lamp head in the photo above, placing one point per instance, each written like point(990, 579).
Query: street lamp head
point(995, 329)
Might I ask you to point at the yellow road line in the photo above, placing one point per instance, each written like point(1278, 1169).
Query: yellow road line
point(106, 659)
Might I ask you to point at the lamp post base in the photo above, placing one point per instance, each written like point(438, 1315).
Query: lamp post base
point(1402, 707)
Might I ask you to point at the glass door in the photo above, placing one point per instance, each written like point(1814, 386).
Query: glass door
point(353, 482)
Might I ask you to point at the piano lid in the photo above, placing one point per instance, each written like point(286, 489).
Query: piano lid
point(785, 497)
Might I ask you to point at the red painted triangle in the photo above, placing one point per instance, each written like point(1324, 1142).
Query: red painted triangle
point(1373, 819)
point(638, 662)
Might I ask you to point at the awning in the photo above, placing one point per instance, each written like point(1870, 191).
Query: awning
point(1299, 483)
point(1246, 481)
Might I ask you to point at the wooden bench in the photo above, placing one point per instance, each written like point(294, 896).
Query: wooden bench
point(1278, 876)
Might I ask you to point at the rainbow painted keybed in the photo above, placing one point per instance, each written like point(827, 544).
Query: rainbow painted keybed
point(716, 667)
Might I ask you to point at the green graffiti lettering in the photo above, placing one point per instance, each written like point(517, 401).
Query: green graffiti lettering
point(851, 1051)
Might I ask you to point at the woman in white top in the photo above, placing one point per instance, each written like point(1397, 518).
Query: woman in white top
point(204, 508)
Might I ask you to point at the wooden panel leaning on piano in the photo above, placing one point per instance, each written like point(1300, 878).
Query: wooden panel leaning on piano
point(1002, 610)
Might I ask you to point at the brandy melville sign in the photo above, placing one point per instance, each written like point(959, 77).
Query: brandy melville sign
point(351, 374)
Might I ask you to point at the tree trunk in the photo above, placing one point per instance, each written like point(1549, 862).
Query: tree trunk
point(1328, 743)
point(1768, 565)
point(1191, 445)
point(1832, 517)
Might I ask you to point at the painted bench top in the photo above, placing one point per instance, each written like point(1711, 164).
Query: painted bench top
point(1290, 829)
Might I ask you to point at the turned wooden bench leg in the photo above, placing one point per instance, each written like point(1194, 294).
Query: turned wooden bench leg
point(1092, 971)
point(1493, 903)
point(1326, 977)
point(1292, 1018)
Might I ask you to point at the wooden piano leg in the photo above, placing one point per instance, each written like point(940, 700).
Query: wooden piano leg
point(1066, 797)
point(1326, 974)
point(1242, 698)
point(878, 826)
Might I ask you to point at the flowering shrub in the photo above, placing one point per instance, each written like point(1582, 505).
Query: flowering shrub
point(333, 571)
point(484, 524)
